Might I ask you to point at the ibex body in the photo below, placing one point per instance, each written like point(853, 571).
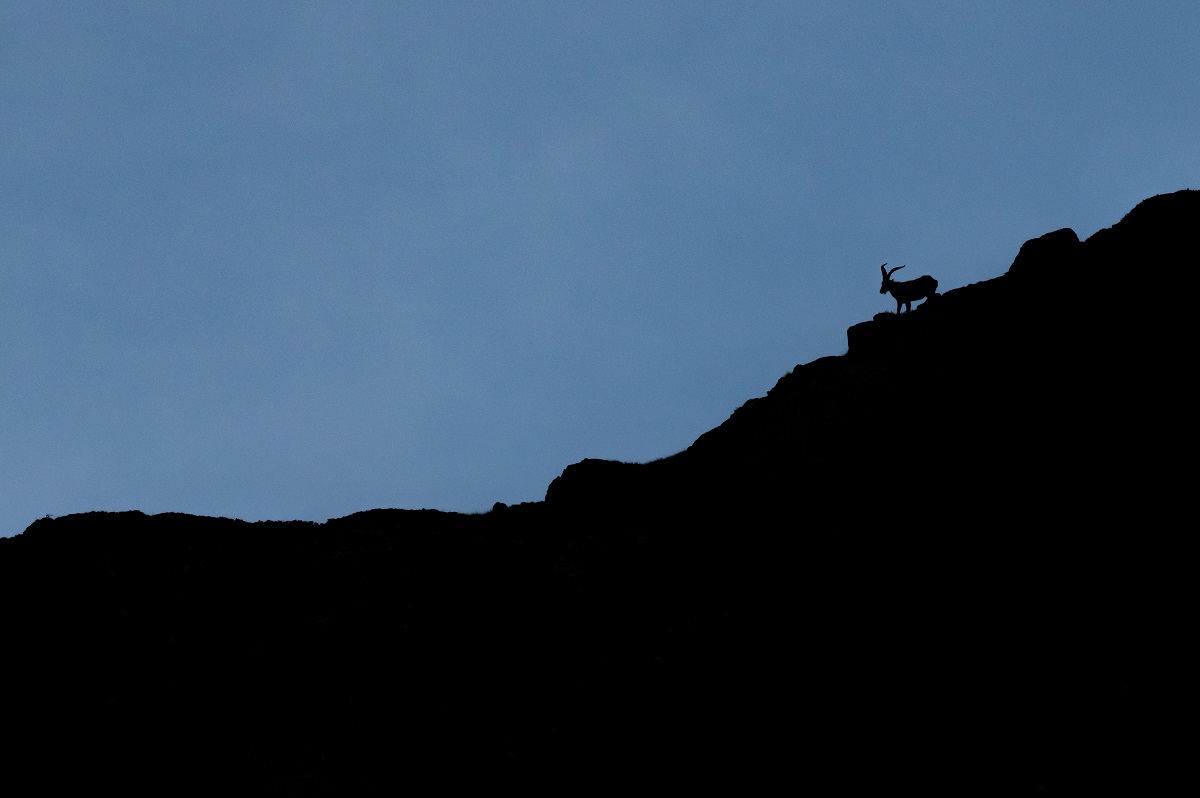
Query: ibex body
point(908, 291)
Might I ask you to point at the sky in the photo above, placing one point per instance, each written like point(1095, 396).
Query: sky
point(294, 260)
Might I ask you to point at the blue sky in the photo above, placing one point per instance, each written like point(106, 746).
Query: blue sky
point(296, 260)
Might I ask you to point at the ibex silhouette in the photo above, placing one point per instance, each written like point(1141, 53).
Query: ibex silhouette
point(909, 291)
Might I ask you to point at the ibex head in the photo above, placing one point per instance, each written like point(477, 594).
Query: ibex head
point(887, 277)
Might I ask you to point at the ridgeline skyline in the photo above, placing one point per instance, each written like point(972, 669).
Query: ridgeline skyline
point(294, 263)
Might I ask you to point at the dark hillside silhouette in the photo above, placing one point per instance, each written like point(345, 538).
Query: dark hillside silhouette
point(948, 560)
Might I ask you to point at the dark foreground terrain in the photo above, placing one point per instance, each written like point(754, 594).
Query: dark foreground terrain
point(954, 559)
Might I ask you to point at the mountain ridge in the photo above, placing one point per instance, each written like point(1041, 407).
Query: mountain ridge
point(948, 558)
point(993, 333)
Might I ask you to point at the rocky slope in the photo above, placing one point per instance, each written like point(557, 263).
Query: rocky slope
point(951, 559)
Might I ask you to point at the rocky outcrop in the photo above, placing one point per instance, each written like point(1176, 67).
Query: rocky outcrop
point(1039, 257)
